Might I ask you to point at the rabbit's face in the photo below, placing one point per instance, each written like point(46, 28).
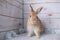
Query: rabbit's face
point(33, 14)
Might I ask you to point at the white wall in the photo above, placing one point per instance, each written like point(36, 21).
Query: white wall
point(51, 23)
point(10, 15)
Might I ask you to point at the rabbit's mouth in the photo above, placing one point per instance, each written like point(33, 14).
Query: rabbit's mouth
point(34, 22)
point(34, 19)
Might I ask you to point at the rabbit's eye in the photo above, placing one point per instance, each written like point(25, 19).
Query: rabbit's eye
point(30, 16)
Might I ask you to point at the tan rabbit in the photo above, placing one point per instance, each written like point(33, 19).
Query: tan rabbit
point(34, 24)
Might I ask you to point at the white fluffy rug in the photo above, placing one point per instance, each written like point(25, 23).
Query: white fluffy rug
point(43, 37)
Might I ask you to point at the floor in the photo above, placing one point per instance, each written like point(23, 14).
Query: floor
point(43, 37)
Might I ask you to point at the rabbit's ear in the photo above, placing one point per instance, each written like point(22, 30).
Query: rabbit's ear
point(38, 10)
point(31, 9)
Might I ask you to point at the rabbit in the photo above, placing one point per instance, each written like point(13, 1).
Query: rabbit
point(34, 24)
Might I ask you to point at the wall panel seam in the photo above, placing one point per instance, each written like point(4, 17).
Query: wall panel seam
point(40, 3)
point(10, 16)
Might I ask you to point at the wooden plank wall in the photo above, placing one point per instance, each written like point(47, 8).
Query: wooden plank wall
point(10, 16)
point(50, 15)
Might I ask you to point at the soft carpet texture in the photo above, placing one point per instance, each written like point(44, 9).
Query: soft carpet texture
point(43, 37)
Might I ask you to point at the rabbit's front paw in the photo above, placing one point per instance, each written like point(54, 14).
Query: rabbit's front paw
point(37, 34)
point(29, 34)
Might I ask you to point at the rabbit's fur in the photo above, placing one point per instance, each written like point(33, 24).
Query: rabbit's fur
point(34, 24)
